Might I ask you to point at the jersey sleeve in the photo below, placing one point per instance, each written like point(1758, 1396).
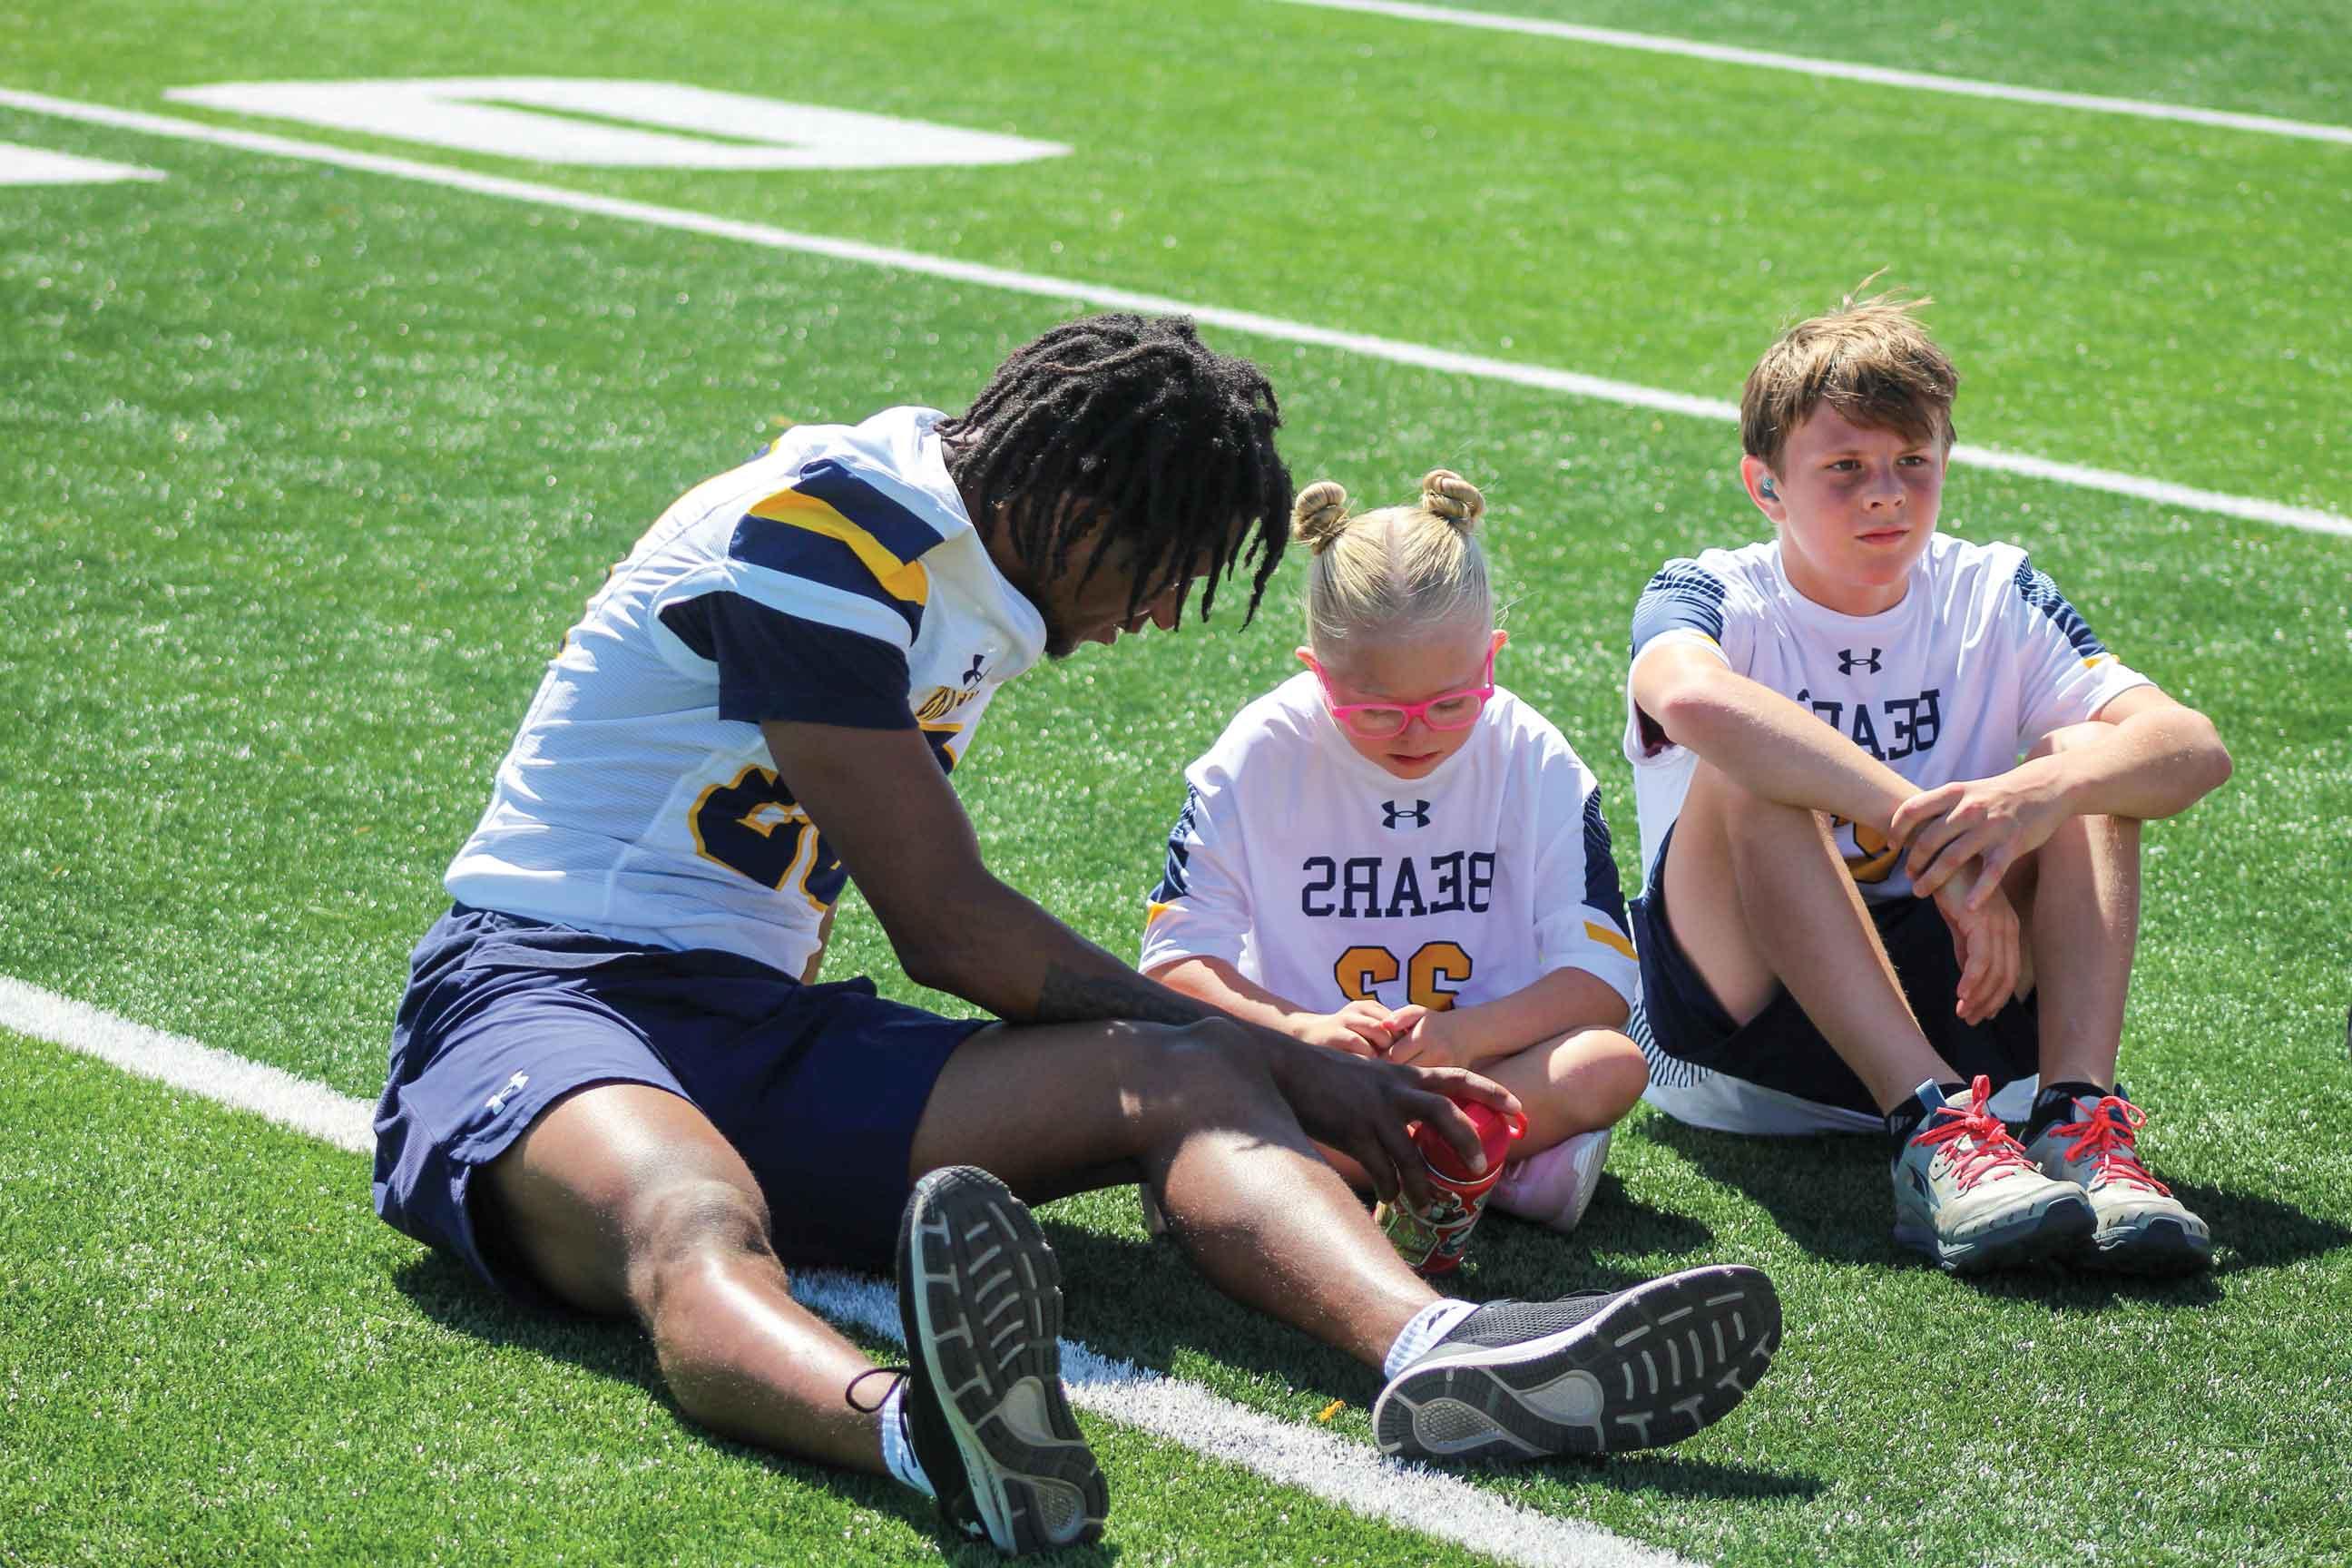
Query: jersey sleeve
point(2067, 673)
point(1580, 909)
point(1201, 907)
point(1685, 603)
point(811, 614)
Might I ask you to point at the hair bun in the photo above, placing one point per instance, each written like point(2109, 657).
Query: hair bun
point(1319, 516)
point(1450, 496)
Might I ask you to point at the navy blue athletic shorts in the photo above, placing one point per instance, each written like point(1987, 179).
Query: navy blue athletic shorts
point(1779, 1048)
point(819, 1088)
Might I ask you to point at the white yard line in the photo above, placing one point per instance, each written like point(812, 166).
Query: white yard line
point(1420, 356)
point(1840, 71)
point(1347, 1475)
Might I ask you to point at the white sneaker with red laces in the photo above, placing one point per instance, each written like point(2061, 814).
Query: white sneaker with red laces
point(1966, 1195)
point(2142, 1228)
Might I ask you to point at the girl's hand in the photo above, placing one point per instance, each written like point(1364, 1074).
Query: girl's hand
point(1359, 1029)
point(1428, 1039)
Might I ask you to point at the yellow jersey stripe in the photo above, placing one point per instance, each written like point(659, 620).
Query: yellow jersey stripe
point(1610, 939)
point(905, 580)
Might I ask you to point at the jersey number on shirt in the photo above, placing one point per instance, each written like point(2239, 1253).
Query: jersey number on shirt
point(1433, 964)
point(754, 826)
point(1876, 861)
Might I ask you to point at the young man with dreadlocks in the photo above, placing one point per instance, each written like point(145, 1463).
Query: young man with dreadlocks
point(616, 1083)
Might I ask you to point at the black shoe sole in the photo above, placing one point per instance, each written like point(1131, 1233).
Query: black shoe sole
point(1662, 1361)
point(2161, 1247)
point(2060, 1227)
point(981, 1299)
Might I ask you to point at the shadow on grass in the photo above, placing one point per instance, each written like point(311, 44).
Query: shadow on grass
point(446, 1292)
point(1144, 1302)
point(1830, 1195)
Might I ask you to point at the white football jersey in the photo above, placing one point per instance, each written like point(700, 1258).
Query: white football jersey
point(1983, 657)
point(1325, 878)
point(835, 579)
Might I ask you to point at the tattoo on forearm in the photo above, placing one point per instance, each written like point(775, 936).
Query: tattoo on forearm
point(1069, 997)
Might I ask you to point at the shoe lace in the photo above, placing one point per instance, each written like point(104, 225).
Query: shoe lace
point(2106, 1136)
point(896, 1374)
point(1975, 1140)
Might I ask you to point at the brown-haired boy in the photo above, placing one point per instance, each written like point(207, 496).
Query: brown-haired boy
point(1826, 730)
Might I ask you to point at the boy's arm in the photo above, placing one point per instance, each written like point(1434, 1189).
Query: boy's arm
point(1773, 747)
point(1359, 1029)
point(2158, 758)
point(1559, 1003)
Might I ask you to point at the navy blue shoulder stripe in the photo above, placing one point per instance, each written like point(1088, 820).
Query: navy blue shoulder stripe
point(1175, 875)
point(1601, 889)
point(2037, 590)
point(894, 526)
point(1683, 593)
point(817, 558)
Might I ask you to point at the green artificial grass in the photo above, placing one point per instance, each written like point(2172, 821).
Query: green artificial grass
point(2264, 58)
point(2115, 287)
point(310, 469)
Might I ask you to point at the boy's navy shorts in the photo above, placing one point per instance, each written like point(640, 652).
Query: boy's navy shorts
point(819, 1088)
point(1779, 1048)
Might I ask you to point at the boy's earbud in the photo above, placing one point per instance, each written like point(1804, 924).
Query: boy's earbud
point(1770, 493)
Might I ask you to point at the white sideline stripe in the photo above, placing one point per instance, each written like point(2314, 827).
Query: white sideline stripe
point(1420, 356)
point(1319, 1463)
point(1881, 76)
point(272, 1092)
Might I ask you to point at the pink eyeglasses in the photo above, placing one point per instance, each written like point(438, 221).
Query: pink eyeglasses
point(1379, 720)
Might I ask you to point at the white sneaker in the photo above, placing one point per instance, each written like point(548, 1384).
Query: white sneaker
point(1554, 1186)
point(2142, 1228)
point(1966, 1193)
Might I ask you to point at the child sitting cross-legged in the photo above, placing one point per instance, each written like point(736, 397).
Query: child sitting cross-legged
point(1390, 855)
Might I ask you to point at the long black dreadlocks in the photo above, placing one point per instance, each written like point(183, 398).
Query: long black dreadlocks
point(1137, 422)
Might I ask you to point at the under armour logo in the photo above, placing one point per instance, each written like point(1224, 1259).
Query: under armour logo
point(971, 676)
point(1395, 815)
point(498, 1101)
point(1847, 661)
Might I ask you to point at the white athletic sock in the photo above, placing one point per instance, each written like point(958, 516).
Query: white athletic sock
point(1429, 1325)
point(897, 1452)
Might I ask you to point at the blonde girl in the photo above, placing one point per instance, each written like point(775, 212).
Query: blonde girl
point(1390, 854)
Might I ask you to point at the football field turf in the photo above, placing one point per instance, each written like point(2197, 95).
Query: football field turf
point(311, 464)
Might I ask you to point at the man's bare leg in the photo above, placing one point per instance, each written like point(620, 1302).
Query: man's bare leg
point(1759, 900)
point(624, 1198)
point(1193, 1112)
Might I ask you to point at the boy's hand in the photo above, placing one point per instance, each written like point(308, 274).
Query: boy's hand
point(1996, 822)
point(1985, 941)
point(1359, 1029)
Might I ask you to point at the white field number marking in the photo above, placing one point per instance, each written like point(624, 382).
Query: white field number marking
point(38, 166)
point(698, 127)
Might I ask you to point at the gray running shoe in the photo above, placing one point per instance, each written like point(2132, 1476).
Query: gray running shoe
point(2142, 1228)
point(982, 1299)
point(1966, 1195)
point(1598, 1373)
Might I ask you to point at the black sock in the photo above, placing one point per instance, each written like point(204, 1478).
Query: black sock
point(2055, 1103)
point(1905, 1119)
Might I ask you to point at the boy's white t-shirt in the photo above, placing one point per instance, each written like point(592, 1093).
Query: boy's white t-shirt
point(1325, 878)
point(1981, 659)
